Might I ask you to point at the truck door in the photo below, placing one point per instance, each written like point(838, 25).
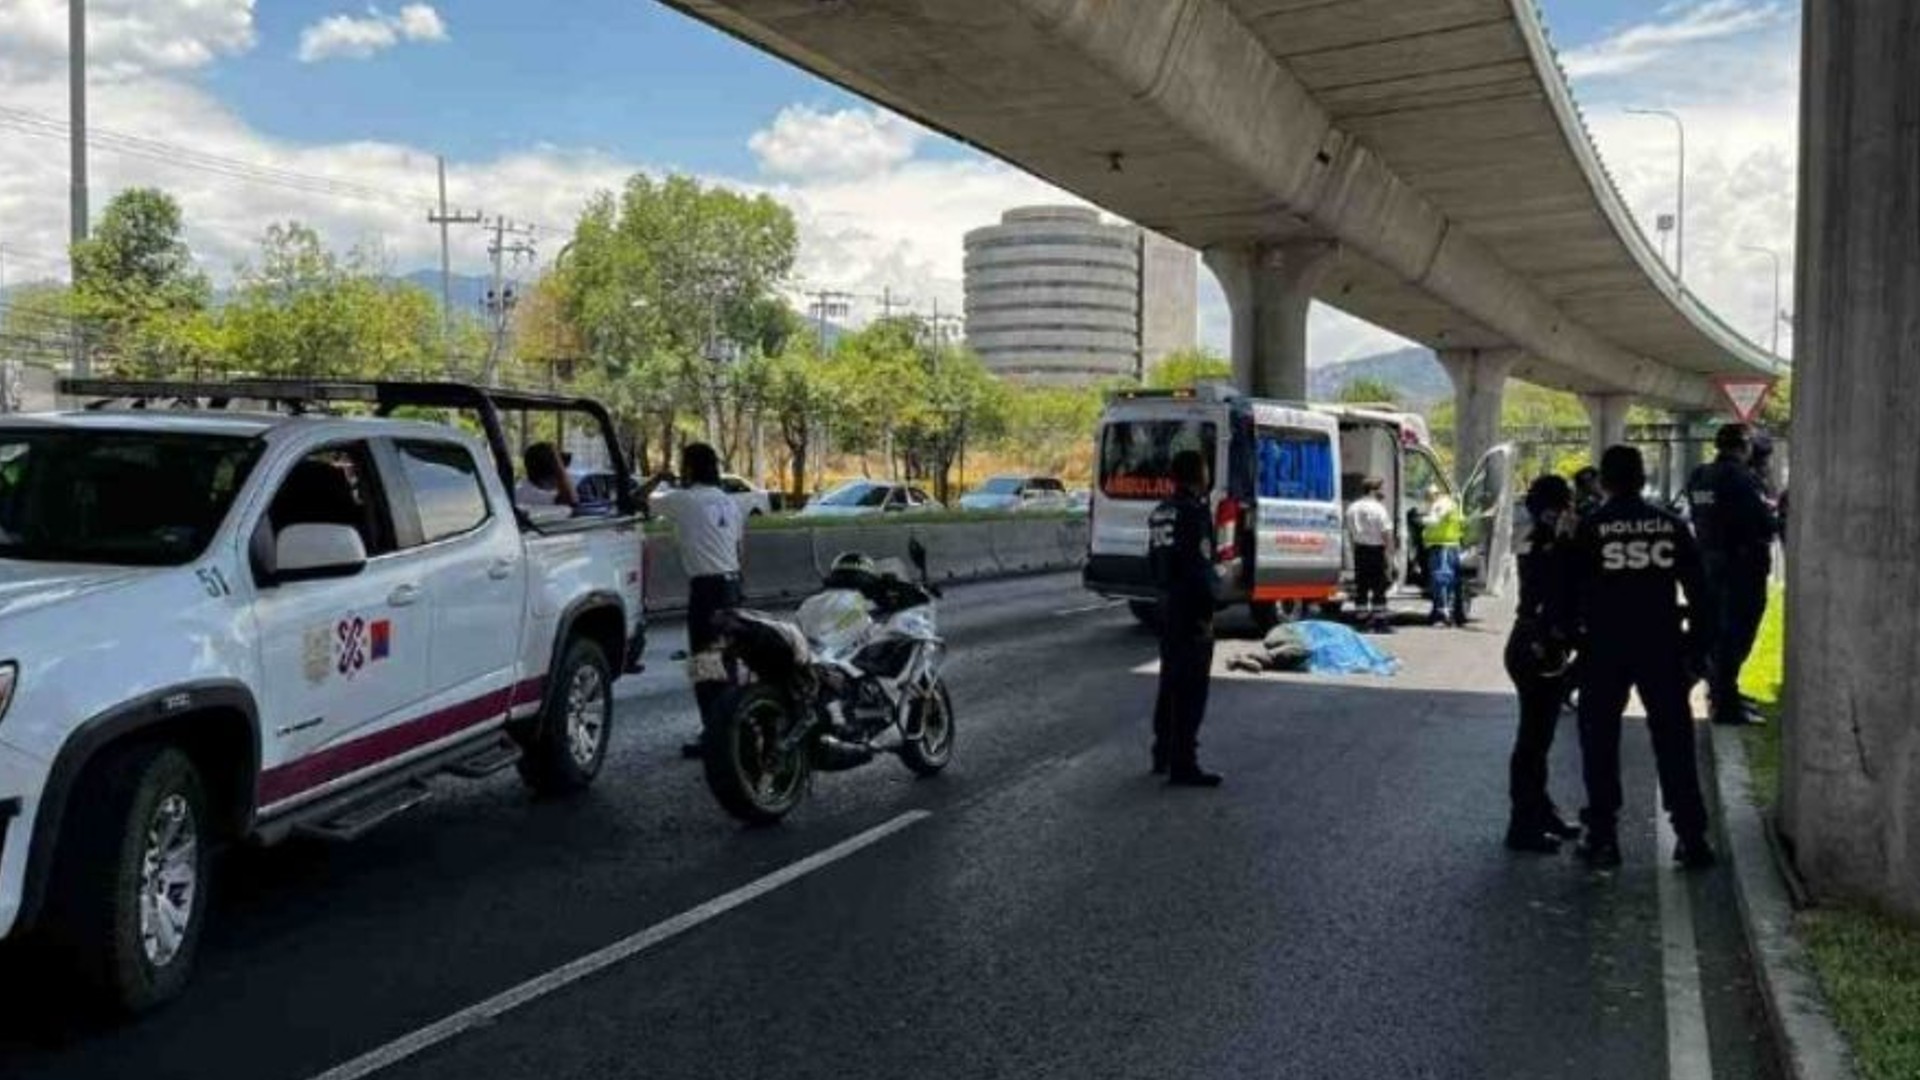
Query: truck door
point(344, 659)
point(474, 570)
point(1487, 502)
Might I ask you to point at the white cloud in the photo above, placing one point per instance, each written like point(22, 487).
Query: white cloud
point(359, 37)
point(1742, 172)
point(805, 142)
point(125, 38)
point(1679, 27)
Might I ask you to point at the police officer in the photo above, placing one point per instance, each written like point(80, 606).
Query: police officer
point(1538, 660)
point(711, 535)
point(1180, 551)
point(1735, 526)
point(1630, 561)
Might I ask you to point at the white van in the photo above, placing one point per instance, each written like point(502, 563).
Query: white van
point(1282, 476)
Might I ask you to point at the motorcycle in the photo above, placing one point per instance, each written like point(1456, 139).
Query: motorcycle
point(855, 675)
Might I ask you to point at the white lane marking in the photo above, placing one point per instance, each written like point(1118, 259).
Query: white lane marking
point(1689, 1055)
point(487, 1011)
point(1083, 609)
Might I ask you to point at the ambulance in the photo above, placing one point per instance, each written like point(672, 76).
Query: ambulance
point(1282, 475)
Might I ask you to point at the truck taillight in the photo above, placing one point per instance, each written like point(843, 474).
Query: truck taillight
point(1226, 530)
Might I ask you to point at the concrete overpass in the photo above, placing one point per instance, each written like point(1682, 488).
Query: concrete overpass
point(1419, 165)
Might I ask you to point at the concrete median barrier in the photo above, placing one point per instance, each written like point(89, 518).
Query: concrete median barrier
point(787, 564)
point(958, 552)
point(780, 565)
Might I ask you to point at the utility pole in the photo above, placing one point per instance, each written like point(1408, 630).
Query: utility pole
point(826, 303)
point(500, 299)
point(77, 145)
point(444, 219)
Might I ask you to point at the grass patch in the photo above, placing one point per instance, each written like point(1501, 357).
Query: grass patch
point(1869, 966)
point(1761, 679)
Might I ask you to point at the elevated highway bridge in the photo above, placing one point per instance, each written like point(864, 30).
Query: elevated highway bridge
point(1419, 165)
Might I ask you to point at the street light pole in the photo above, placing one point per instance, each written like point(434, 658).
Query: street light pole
point(77, 145)
point(1680, 237)
point(1774, 312)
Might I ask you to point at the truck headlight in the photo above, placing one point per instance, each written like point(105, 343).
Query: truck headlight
point(9, 674)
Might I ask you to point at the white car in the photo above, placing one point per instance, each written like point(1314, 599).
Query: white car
point(870, 498)
point(221, 626)
point(1017, 493)
point(753, 501)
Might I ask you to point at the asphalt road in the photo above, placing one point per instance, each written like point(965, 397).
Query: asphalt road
point(1342, 908)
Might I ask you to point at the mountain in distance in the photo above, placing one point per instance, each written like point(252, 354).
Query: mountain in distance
point(468, 291)
point(1417, 378)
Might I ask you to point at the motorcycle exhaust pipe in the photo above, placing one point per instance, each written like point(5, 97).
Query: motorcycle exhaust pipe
point(836, 755)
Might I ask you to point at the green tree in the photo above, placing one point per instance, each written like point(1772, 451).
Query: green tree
point(1186, 367)
point(38, 326)
point(137, 295)
point(301, 310)
point(800, 404)
point(961, 401)
point(1367, 390)
point(661, 273)
point(1050, 428)
point(878, 375)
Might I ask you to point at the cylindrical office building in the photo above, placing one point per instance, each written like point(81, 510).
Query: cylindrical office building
point(1054, 296)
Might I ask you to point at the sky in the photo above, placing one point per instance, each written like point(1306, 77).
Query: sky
point(333, 112)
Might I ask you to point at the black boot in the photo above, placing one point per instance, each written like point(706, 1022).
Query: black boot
point(1694, 853)
point(1555, 825)
point(1524, 837)
point(1602, 852)
point(693, 751)
point(1193, 776)
point(1159, 762)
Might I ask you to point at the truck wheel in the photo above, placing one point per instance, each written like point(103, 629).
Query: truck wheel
point(569, 742)
point(133, 882)
point(1146, 613)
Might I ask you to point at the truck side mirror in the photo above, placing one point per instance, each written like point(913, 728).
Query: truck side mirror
point(311, 552)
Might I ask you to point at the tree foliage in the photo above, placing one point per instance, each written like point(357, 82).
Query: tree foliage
point(1368, 390)
point(137, 295)
point(1186, 367)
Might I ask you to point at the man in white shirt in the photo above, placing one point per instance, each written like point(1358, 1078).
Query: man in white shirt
point(1370, 529)
point(710, 531)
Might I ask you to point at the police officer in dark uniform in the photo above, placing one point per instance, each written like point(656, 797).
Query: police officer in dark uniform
point(1735, 525)
point(1631, 561)
point(1180, 551)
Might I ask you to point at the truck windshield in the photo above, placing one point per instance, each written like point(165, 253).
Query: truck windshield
point(1136, 456)
point(128, 498)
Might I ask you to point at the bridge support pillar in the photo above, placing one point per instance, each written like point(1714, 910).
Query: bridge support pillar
point(1851, 781)
point(1479, 390)
point(1607, 413)
point(1692, 452)
point(1269, 291)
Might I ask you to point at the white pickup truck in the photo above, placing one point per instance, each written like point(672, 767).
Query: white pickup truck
point(221, 626)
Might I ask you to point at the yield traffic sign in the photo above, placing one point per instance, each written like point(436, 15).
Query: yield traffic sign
point(1745, 393)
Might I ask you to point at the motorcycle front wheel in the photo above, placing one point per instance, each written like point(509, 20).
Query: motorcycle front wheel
point(748, 771)
point(930, 747)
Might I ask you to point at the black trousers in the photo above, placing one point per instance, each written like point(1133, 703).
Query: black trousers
point(1186, 671)
point(1370, 577)
point(1541, 697)
point(707, 596)
point(1737, 587)
point(1659, 674)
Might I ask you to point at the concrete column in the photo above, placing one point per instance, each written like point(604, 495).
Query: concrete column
point(1692, 454)
point(1851, 781)
point(1607, 413)
point(1479, 389)
point(1269, 290)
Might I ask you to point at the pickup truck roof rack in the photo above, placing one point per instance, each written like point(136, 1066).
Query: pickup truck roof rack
point(300, 396)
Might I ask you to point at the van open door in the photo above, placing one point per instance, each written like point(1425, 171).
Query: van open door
point(1487, 502)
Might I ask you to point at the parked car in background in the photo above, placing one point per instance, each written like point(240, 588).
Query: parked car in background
point(1080, 501)
point(1004, 493)
point(864, 498)
point(596, 487)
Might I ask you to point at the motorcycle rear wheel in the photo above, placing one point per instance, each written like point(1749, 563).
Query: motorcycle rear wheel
point(748, 773)
point(931, 750)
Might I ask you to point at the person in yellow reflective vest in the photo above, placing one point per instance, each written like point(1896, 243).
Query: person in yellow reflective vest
point(1443, 531)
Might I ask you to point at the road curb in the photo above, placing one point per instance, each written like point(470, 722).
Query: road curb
point(1811, 1046)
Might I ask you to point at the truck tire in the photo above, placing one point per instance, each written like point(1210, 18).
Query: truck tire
point(569, 741)
point(132, 883)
